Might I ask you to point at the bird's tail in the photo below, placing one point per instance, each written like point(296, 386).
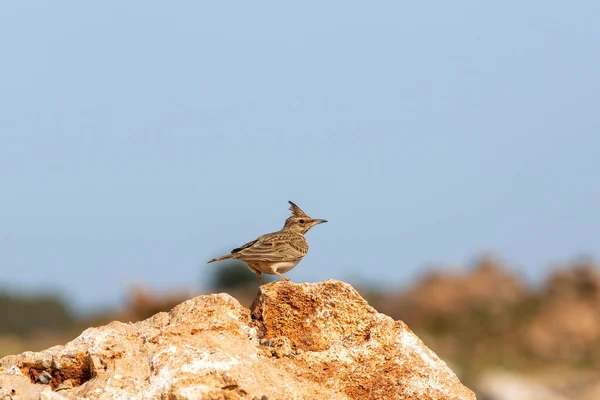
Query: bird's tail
point(225, 257)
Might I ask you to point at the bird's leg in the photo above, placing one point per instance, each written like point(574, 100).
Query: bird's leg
point(259, 276)
point(282, 275)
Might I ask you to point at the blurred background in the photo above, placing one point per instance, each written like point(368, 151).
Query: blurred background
point(453, 148)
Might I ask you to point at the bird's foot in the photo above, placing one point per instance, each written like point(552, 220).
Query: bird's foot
point(283, 276)
point(259, 276)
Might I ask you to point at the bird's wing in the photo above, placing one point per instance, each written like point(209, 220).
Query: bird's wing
point(277, 246)
point(245, 246)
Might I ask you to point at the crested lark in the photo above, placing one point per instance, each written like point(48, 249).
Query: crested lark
point(277, 252)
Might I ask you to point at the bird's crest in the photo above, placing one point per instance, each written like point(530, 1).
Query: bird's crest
point(296, 211)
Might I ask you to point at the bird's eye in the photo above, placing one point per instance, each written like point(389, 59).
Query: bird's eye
point(301, 221)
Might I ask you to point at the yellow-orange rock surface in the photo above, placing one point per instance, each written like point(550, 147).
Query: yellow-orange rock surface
point(298, 341)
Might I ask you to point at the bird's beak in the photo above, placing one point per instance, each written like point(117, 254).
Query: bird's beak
point(317, 221)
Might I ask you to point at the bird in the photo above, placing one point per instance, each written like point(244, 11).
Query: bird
point(276, 252)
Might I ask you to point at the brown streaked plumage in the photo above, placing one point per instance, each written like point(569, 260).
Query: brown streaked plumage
point(276, 252)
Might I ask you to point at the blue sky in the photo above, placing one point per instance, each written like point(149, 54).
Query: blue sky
point(140, 139)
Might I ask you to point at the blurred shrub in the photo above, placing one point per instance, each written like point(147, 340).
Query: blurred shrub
point(235, 275)
point(38, 314)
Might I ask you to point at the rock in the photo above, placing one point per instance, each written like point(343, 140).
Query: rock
point(44, 377)
point(16, 386)
point(539, 384)
point(505, 386)
point(592, 392)
point(298, 341)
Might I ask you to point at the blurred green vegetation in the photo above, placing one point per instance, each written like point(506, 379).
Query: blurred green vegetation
point(33, 315)
point(234, 275)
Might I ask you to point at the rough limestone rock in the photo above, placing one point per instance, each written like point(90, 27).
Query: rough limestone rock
point(298, 341)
